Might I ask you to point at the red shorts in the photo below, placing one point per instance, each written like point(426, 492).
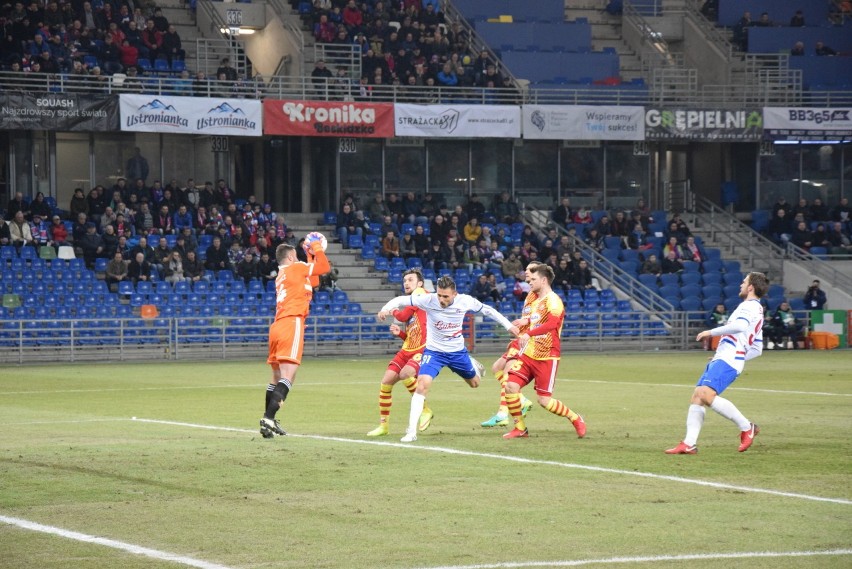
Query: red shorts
point(286, 340)
point(404, 358)
point(524, 370)
point(511, 350)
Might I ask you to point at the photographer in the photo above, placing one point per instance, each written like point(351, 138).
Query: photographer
point(784, 325)
point(815, 298)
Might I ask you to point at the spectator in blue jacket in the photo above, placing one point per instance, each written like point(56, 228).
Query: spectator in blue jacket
point(182, 219)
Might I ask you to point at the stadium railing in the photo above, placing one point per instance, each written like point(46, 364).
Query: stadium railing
point(305, 88)
point(195, 338)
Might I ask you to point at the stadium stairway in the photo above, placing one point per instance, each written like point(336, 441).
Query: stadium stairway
point(606, 33)
point(356, 276)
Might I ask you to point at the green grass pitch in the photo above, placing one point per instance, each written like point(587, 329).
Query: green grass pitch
point(329, 497)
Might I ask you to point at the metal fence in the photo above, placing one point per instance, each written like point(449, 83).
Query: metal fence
point(306, 88)
point(188, 338)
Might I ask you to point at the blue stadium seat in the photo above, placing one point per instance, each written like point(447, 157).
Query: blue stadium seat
point(713, 292)
point(690, 278)
point(670, 279)
point(711, 278)
point(649, 281)
point(733, 278)
point(381, 264)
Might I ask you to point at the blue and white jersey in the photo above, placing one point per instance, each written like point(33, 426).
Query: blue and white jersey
point(742, 335)
point(444, 325)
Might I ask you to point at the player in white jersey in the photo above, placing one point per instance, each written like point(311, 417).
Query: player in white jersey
point(445, 313)
point(742, 339)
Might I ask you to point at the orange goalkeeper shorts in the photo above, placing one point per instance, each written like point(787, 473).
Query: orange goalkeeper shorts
point(286, 340)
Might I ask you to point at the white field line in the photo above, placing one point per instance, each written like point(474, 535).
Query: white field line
point(518, 459)
point(309, 384)
point(649, 559)
point(690, 386)
point(128, 547)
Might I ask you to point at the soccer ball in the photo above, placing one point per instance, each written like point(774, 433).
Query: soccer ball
point(315, 236)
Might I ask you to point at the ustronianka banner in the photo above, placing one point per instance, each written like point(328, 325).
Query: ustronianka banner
point(458, 121)
point(703, 124)
point(562, 122)
point(58, 112)
point(317, 118)
point(782, 123)
point(191, 115)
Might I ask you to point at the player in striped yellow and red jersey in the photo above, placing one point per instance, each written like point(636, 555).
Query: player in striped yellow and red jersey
point(540, 352)
point(406, 363)
point(501, 418)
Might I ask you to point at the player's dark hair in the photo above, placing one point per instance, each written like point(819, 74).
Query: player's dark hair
point(545, 271)
point(416, 272)
point(759, 283)
point(446, 282)
point(282, 251)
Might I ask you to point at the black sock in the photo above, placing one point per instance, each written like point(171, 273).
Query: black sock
point(269, 389)
point(279, 394)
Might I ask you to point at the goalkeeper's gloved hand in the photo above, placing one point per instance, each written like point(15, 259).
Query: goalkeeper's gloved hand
point(316, 247)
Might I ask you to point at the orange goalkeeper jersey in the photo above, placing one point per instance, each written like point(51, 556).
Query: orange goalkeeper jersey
point(293, 290)
point(547, 314)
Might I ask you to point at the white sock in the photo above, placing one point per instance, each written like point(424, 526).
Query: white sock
point(417, 403)
point(729, 411)
point(694, 422)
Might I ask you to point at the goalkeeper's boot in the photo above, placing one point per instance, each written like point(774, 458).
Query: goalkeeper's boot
point(683, 448)
point(526, 406)
point(410, 437)
point(579, 426)
point(498, 420)
point(517, 434)
point(379, 431)
point(271, 425)
point(747, 437)
point(425, 419)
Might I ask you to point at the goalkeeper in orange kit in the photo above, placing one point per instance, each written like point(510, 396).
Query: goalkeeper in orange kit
point(293, 293)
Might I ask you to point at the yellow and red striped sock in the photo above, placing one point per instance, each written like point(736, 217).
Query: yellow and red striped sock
point(501, 378)
point(385, 401)
point(513, 401)
point(557, 407)
point(410, 384)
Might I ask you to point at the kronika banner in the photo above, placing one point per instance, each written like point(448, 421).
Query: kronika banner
point(458, 121)
point(191, 115)
point(318, 118)
point(703, 124)
point(557, 122)
point(780, 123)
point(58, 112)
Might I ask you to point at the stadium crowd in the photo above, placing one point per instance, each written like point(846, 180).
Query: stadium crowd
point(812, 224)
point(406, 43)
point(178, 231)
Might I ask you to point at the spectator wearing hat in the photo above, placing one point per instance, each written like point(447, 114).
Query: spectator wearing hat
point(58, 232)
point(40, 231)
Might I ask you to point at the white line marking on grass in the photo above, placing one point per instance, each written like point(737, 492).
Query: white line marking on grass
point(129, 547)
point(679, 385)
point(649, 559)
point(176, 388)
point(518, 459)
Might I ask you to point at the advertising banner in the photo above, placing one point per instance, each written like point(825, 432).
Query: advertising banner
point(784, 123)
point(58, 112)
point(318, 118)
point(562, 122)
point(191, 115)
point(704, 124)
point(458, 121)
